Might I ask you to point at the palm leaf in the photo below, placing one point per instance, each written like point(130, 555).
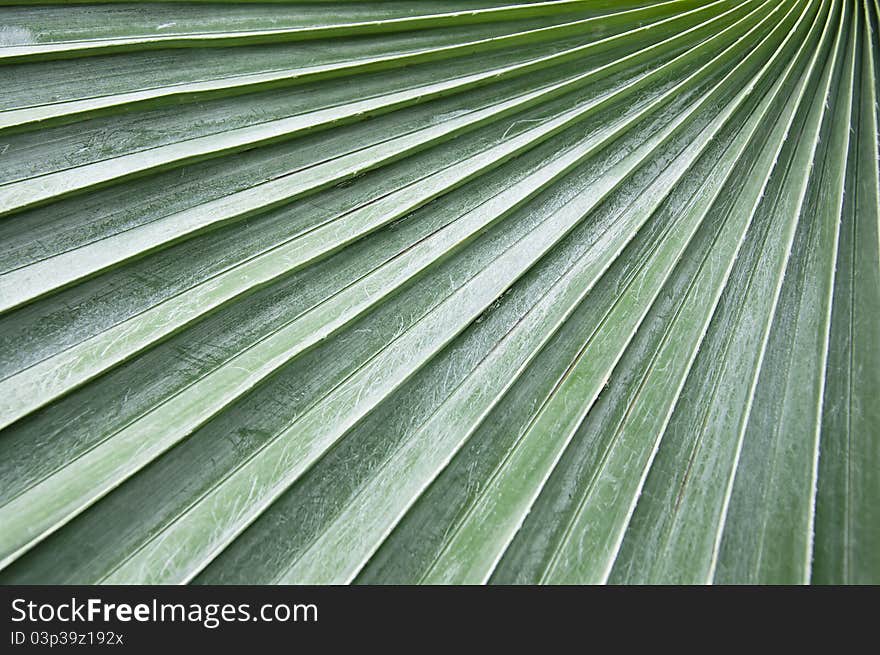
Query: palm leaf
point(571, 291)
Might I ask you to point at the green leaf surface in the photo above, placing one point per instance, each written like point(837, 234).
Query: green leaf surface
point(445, 292)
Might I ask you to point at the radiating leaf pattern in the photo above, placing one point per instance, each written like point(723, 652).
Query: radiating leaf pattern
point(448, 291)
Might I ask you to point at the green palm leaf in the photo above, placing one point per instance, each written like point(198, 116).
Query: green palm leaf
point(444, 292)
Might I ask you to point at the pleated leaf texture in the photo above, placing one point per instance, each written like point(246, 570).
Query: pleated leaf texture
point(577, 291)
